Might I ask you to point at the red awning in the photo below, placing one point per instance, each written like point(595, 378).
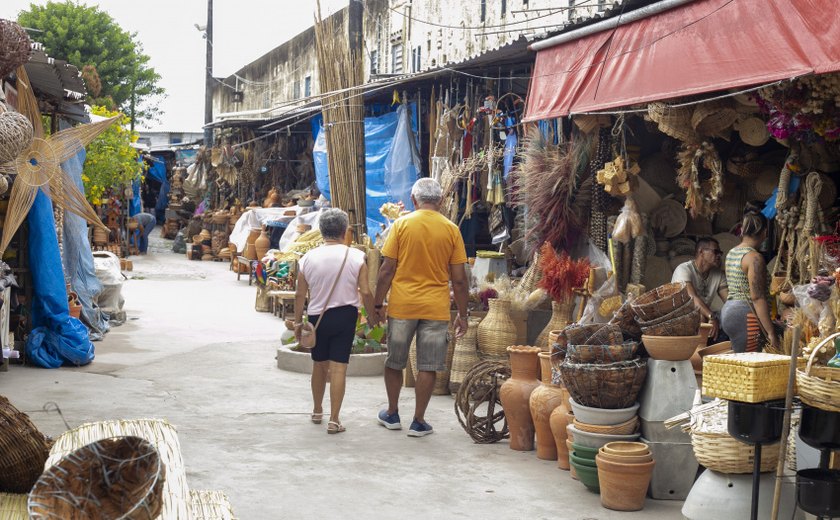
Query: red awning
point(700, 47)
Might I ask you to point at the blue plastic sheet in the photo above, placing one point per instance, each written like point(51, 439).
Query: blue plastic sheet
point(78, 258)
point(56, 336)
point(391, 162)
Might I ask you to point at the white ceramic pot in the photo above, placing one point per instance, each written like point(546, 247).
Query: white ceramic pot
point(602, 416)
point(596, 440)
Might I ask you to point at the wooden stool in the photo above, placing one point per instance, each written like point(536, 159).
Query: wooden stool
point(283, 303)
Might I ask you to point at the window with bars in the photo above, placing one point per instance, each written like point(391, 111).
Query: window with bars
point(374, 62)
point(296, 89)
point(483, 10)
point(307, 86)
point(416, 59)
point(397, 58)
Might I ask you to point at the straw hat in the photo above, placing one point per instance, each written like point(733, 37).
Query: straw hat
point(713, 117)
point(589, 122)
point(672, 121)
point(767, 181)
point(753, 131)
point(669, 218)
point(657, 271)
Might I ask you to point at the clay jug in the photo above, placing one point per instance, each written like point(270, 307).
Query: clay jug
point(496, 332)
point(558, 421)
point(515, 395)
point(262, 244)
point(543, 401)
point(623, 486)
point(561, 316)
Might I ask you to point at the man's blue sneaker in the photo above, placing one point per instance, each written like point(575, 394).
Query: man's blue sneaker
point(419, 429)
point(390, 421)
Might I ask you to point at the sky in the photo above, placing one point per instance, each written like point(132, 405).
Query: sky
point(243, 31)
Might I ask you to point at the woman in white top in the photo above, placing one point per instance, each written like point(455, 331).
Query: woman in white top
point(332, 264)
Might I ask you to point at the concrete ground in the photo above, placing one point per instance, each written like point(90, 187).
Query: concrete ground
point(195, 352)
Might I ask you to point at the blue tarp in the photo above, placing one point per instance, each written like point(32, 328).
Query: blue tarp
point(391, 165)
point(78, 258)
point(56, 338)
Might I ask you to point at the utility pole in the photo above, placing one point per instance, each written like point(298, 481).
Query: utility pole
point(208, 80)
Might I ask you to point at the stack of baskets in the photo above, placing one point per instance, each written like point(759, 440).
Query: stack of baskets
point(669, 322)
point(819, 386)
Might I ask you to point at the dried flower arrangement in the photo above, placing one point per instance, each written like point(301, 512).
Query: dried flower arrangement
point(552, 183)
point(561, 274)
point(702, 196)
point(805, 109)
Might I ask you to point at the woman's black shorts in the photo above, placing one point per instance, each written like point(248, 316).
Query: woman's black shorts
point(335, 334)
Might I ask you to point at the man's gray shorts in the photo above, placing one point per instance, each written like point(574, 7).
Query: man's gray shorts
point(432, 342)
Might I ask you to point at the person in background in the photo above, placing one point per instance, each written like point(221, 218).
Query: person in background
point(746, 274)
point(422, 253)
point(146, 223)
point(340, 270)
point(704, 279)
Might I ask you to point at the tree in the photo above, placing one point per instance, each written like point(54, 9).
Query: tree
point(111, 162)
point(86, 36)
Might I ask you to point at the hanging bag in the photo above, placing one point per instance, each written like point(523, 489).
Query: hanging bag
point(307, 330)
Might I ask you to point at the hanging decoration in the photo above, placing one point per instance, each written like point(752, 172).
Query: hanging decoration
point(805, 109)
point(619, 177)
point(701, 176)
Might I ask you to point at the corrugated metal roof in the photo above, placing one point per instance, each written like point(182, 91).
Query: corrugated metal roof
point(57, 82)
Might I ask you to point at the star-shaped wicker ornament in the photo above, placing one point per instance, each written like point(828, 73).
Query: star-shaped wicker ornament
point(39, 166)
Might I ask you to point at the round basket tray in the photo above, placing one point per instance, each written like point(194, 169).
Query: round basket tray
point(820, 386)
point(685, 325)
point(716, 450)
point(601, 354)
point(682, 310)
point(593, 334)
point(119, 477)
point(612, 385)
point(661, 301)
point(23, 449)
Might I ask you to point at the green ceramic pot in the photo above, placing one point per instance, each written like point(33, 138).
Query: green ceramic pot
point(588, 476)
point(585, 452)
point(582, 461)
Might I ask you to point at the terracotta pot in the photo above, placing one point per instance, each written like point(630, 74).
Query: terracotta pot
point(250, 252)
point(569, 449)
point(544, 400)
point(253, 235)
point(558, 421)
point(671, 348)
point(561, 316)
point(625, 459)
point(74, 304)
point(626, 448)
point(262, 244)
point(100, 236)
point(515, 395)
point(623, 486)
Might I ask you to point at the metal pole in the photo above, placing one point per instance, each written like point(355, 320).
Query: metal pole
point(208, 79)
point(756, 480)
point(780, 467)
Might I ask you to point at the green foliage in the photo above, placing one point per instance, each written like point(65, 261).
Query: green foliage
point(111, 160)
point(85, 35)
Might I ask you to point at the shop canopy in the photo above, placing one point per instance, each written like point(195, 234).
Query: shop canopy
point(695, 48)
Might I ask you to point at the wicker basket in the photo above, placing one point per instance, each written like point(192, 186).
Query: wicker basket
point(158, 432)
point(820, 386)
point(713, 117)
point(601, 354)
point(625, 318)
point(660, 302)
point(749, 377)
point(23, 450)
point(673, 121)
point(210, 505)
point(593, 334)
point(496, 332)
point(682, 310)
point(715, 449)
point(685, 325)
point(626, 428)
point(465, 356)
point(120, 477)
point(13, 506)
point(613, 385)
point(744, 169)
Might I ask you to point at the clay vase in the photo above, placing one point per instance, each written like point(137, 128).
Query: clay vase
point(623, 486)
point(515, 395)
point(262, 244)
point(497, 332)
point(250, 251)
point(558, 421)
point(561, 316)
point(544, 400)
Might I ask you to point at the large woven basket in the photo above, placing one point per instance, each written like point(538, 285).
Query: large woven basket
point(713, 117)
point(593, 334)
point(465, 356)
point(625, 318)
point(601, 354)
point(115, 478)
point(23, 450)
point(159, 433)
point(749, 377)
point(660, 302)
point(496, 332)
point(685, 325)
point(13, 506)
point(820, 386)
point(682, 310)
point(613, 385)
point(210, 505)
point(715, 449)
point(673, 121)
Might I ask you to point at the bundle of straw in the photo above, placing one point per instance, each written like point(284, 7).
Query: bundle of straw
point(340, 70)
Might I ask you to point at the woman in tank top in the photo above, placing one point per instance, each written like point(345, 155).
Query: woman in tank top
point(746, 274)
point(335, 277)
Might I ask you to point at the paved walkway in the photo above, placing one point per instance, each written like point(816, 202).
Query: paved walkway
point(195, 352)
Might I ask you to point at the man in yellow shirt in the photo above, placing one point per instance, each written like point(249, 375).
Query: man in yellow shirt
point(423, 251)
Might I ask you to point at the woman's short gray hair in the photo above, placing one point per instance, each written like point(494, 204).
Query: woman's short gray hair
point(427, 191)
point(333, 224)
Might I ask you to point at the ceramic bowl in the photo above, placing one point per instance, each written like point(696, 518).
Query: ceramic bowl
point(596, 440)
point(581, 461)
point(625, 459)
point(588, 476)
point(626, 448)
point(627, 427)
point(584, 452)
point(602, 416)
point(671, 348)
